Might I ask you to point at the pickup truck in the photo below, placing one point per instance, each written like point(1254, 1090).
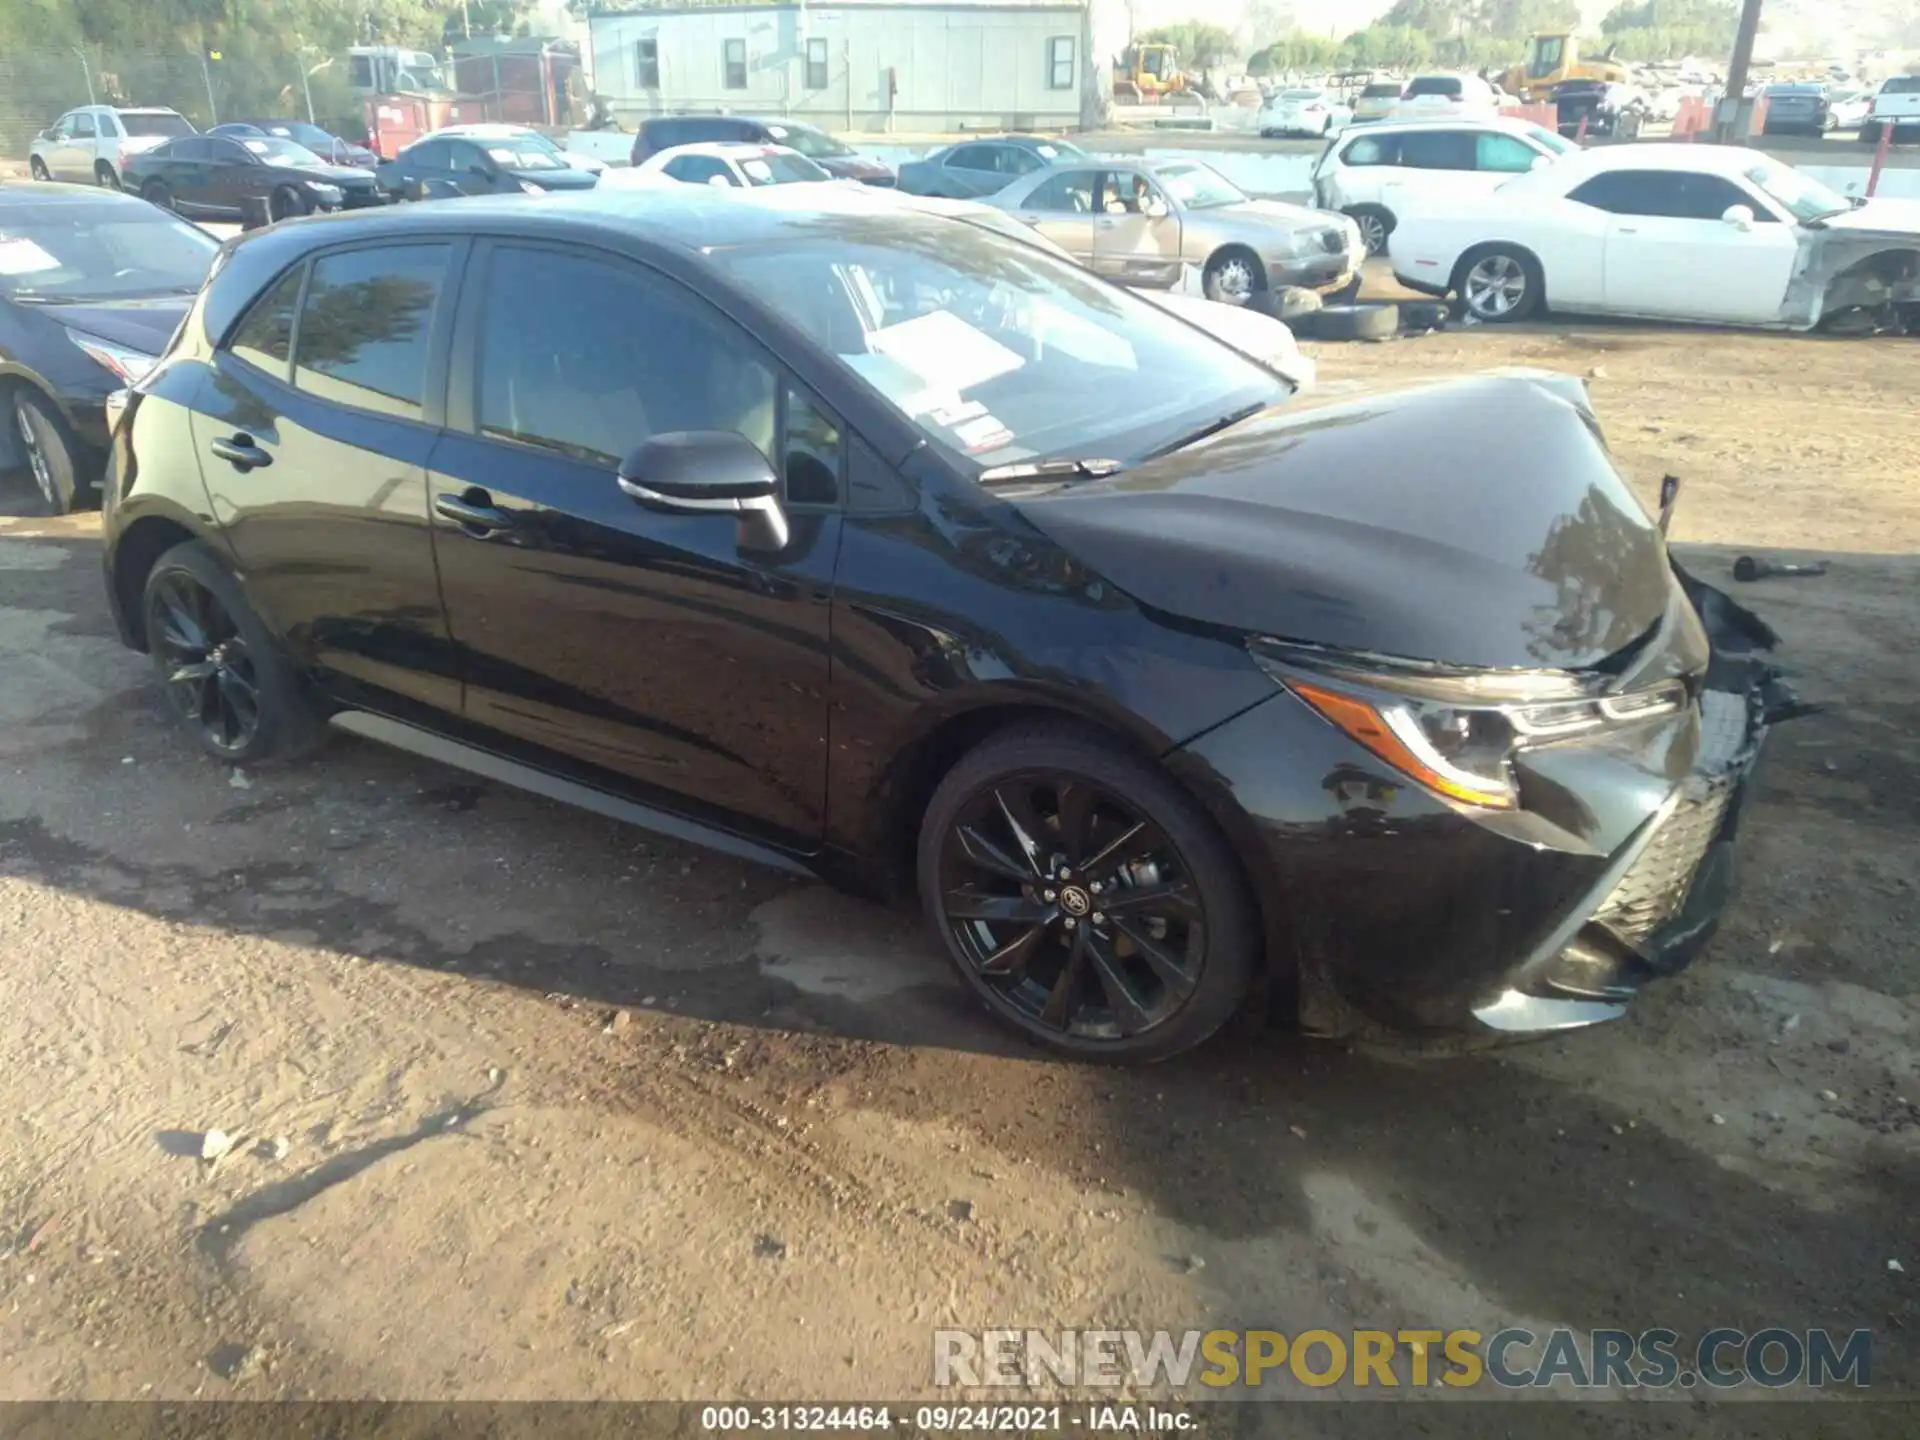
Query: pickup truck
point(91, 144)
point(1896, 107)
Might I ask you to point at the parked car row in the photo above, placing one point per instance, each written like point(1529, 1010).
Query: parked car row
point(93, 144)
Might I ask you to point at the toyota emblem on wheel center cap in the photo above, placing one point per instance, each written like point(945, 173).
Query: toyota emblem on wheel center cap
point(1075, 901)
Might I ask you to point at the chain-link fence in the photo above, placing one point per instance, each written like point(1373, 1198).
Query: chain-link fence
point(525, 83)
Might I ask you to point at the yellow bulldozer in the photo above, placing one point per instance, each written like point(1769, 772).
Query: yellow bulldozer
point(1145, 73)
point(1553, 58)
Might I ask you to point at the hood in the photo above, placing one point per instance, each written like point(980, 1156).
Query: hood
point(567, 179)
point(143, 325)
point(854, 167)
point(1885, 217)
point(1478, 522)
point(592, 164)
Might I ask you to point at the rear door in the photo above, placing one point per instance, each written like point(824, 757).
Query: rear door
point(233, 174)
point(314, 432)
point(1061, 207)
point(1433, 166)
point(648, 646)
point(181, 166)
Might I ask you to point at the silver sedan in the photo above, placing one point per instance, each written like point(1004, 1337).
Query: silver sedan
point(1144, 223)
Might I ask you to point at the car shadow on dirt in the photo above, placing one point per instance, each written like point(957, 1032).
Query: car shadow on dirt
point(1476, 1182)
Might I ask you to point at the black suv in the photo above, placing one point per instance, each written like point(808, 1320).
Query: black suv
point(896, 549)
point(838, 160)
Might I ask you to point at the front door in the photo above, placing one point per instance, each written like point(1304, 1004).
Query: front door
point(1136, 234)
point(314, 437)
point(652, 647)
point(75, 157)
point(1061, 208)
point(474, 172)
point(1671, 252)
point(231, 175)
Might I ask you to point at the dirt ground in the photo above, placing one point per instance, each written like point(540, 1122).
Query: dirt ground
point(528, 1105)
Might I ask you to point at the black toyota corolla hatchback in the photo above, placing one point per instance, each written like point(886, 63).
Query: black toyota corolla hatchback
point(897, 550)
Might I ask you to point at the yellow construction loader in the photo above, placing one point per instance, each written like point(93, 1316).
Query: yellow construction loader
point(1553, 58)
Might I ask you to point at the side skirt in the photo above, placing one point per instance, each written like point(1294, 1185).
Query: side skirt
point(425, 743)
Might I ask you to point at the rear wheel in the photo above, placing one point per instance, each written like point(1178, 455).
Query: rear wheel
point(1086, 898)
point(1499, 285)
point(223, 675)
point(52, 452)
point(105, 176)
point(1376, 224)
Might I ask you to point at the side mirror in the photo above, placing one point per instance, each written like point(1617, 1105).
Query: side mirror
point(709, 472)
point(1739, 216)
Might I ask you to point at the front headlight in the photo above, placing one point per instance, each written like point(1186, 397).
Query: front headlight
point(129, 365)
point(1456, 731)
point(323, 191)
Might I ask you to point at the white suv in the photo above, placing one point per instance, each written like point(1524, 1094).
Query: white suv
point(1376, 173)
point(92, 143)
point(1896, 107)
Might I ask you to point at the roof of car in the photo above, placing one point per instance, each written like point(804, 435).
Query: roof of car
point(484, 127)
point(1716, 159)
point(727, 150)
point(1510, 123)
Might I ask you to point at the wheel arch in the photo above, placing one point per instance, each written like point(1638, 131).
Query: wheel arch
point(1239, 249)
point(135, 550)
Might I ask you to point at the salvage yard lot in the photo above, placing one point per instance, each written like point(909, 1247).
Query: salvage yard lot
point(572, 1111)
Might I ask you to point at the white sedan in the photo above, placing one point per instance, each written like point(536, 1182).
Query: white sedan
point(1707, 233)
point(1307, 112)
point(729, 166)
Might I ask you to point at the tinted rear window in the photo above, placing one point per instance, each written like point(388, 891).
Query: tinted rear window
point(1901, 85)
point(137, 124)
point(1433, 85)
point(1380, 92)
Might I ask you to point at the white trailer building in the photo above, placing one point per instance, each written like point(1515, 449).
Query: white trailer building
point(862, 65)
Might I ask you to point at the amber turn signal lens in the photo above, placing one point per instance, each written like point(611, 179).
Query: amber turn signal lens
point(1400, 745)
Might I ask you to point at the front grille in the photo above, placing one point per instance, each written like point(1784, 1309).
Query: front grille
point(1653, 890)
point(1334, 242)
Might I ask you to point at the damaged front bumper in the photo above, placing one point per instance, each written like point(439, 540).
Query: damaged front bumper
point(1662, 895)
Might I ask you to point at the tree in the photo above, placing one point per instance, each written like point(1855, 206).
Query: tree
point(1197, 43)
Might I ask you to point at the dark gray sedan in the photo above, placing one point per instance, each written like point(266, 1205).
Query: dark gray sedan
point(980, 167)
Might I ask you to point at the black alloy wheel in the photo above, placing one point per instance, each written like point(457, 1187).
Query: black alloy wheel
point(51, 451)
point(203, 659)
point(219, 666)
point(285, 203)
point(1085, 897)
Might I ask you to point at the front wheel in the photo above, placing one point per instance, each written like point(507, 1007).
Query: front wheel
point(1231, 277)
point(38, 169)
point(1499, 285)
point(223, 675)
point(52, 453)
point(1086, 898)
point(105, 176)
point(285, 203)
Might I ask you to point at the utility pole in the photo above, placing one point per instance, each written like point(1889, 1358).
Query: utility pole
point(1727, 125)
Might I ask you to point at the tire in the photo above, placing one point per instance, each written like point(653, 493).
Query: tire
point(155, 192)
point(1499, 284)
point(37, 168)
point(52, 453)
point(1232, 277)
point(1419, 316)
point(1368, 320)
point(284, 204)
point(1184, 897)
point(105, 176)
point(222, 672)
point(1376, 223)
point(1294, 303)
point(1869, 132)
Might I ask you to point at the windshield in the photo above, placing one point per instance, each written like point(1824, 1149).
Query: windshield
point(523, 154)
point(106, 253)
point(999, 352)
point(1803, 197)
point(271, 150)
point(777, 169)
point(814, 144)
point(146, 123)
point(1198, 188)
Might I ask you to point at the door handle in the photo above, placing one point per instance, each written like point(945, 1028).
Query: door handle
point(240, 452)
point(1625, 230)
point(1106, 222)
point(477, 515)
